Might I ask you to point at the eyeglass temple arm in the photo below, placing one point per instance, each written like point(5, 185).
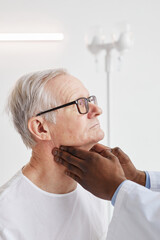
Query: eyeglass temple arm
point(53, 109)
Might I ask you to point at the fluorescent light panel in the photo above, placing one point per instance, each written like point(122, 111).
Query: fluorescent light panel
point(31, 36)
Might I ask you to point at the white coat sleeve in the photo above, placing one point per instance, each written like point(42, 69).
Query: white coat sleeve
point(136, 214)
point(155, 181)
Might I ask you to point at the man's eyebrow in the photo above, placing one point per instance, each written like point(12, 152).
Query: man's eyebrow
point(79, 96)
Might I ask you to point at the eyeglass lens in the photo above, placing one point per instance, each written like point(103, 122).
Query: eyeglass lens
point(83, 104)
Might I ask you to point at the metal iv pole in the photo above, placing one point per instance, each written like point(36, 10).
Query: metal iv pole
point(124, 43)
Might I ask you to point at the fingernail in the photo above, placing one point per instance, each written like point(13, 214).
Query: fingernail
point(55, 152)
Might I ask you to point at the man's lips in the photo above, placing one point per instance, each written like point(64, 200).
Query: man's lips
point(95, 125)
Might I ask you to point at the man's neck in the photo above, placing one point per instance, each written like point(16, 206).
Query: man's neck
point(45, 173)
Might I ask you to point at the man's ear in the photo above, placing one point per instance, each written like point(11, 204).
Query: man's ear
point(39, 128)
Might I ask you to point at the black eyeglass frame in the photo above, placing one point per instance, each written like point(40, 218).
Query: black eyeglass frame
point(71, 103)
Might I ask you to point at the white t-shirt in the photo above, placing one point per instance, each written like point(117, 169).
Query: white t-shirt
point(29, 213)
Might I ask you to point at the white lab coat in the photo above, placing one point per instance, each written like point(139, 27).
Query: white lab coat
point(136, 213)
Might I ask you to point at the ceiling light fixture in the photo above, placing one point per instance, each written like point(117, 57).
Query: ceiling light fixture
point(5, 37)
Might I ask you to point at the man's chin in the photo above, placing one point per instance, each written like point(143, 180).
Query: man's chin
point(99, 136)
point(89, 145)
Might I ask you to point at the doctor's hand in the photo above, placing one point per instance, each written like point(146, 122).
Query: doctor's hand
point(100, 175)
point(131, 173)
point(129, 169)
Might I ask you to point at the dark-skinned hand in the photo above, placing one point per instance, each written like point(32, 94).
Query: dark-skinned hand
point(100, 175)
point(131, 173)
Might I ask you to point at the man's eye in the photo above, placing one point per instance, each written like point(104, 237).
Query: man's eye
point(81, 103)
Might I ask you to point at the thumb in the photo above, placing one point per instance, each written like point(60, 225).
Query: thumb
point(101, 149)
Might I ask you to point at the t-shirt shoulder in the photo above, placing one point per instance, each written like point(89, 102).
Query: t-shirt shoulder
point(8, 186)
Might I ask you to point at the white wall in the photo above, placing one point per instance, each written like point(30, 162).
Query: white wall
point(135, 112)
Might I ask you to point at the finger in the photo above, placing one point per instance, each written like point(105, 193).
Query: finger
point(120, 154)
point(99, 148)
point(70, 159)
point(79, 153)
point(107, 154)
point(102, 150)
point(70, 167)
point(75, 177)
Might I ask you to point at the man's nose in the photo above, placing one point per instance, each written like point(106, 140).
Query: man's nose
point(94, 110)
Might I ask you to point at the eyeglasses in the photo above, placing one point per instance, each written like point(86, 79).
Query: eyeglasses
point(81, 103)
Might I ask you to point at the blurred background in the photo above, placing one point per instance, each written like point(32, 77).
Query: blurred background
point(134, 82)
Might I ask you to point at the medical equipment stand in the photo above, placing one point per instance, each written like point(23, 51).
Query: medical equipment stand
point(124, 43)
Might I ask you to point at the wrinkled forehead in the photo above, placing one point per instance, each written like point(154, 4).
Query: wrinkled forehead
point(67, 88)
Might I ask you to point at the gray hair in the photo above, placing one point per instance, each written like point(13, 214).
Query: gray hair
point(29, 97)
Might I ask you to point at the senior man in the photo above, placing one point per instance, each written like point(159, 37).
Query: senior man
point(49, 109)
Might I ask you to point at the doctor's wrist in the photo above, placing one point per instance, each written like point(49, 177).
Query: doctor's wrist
point(140, 178)
point(116, 186)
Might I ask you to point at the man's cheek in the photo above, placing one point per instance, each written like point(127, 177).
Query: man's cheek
point(77, 137)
